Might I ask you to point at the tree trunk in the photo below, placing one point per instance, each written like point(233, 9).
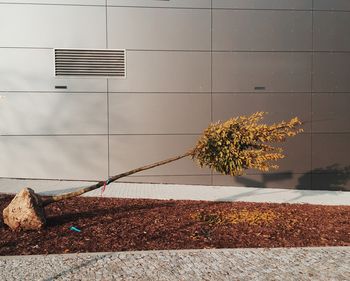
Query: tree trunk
point(83, 190)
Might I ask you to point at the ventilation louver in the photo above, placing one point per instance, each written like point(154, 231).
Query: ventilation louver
point(100, 63)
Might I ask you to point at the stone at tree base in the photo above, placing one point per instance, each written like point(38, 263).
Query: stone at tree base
point(25, 212)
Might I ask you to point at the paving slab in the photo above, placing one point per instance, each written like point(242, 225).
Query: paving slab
point(184, 192)
point(285, 264)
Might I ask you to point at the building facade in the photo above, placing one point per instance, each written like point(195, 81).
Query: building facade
point(188, 63)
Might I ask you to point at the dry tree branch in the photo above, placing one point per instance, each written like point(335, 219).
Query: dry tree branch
point(229, 147)
point(81, 191)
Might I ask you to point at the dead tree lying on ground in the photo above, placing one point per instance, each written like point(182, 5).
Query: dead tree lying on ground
point(228, 147)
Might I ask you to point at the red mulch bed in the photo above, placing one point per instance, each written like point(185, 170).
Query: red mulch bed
point(108, 224)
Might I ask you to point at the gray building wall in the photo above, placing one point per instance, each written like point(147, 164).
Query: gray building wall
point(188, 63)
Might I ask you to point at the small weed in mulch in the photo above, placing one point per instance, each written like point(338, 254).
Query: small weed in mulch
point(108, 224)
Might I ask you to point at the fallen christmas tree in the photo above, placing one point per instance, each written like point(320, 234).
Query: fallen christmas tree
point(229, 147)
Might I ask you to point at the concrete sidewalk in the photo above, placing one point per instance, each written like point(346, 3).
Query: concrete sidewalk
point(185, 192)
point(331, 263)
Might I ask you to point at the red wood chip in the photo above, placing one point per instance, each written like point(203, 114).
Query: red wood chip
point(139, 224)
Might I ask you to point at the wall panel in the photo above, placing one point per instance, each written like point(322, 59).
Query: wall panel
point(57, 2)
point(279, 106)
point(200, 179)
point(161, 3)
point(129, 152)
point(331, 72)
point(52, 26)
point(262, 30)
point(298, 156)
point(331, 112)
point(158, 29)
point(159, 113)
point(268, 180)
point(276, 72)
point(165, 72)
point(73, 157)
point(330, 153)
point(266, 4)
point(33, 70)
point(330, 31)
point(340, 181)
point(51, 113)
point(332, 5)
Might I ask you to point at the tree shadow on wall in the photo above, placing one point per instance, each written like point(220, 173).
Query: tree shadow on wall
point(333, 178)
point(265, 179)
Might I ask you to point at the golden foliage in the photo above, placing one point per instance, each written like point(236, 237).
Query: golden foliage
point(252, 217)
point(241, 143)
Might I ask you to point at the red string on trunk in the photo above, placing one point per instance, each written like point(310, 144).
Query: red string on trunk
point(103, 188)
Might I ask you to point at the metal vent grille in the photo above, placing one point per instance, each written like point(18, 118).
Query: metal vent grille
point(101, 63)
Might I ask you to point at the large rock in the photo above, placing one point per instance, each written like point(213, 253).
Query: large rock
point(25, 212)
